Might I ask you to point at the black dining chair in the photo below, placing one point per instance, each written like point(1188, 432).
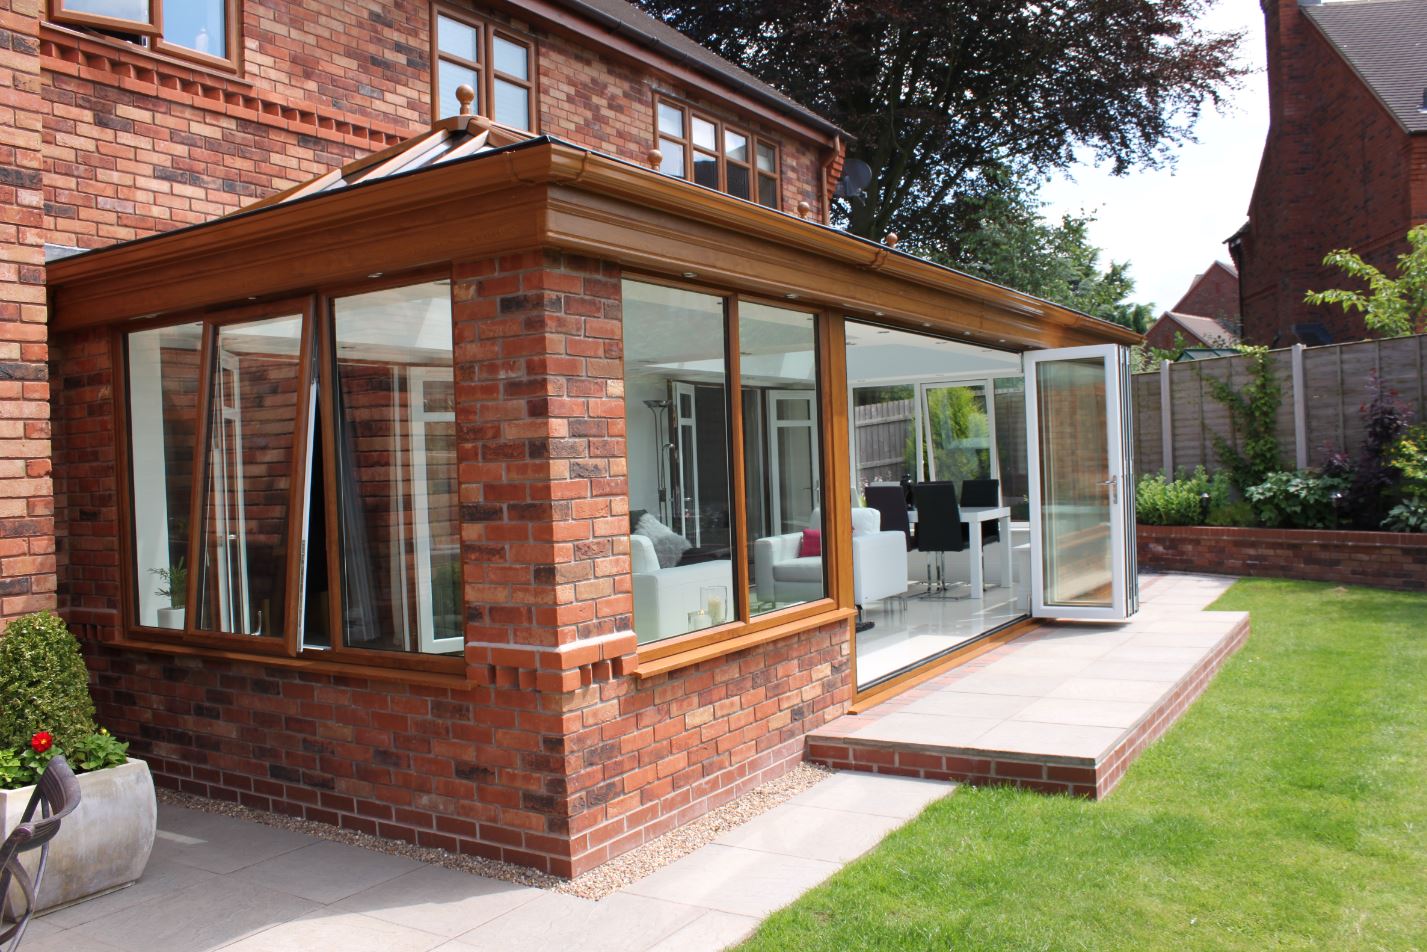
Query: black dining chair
point(55, 797)
point(889, 500)
point(939, 527)
point(983, 494)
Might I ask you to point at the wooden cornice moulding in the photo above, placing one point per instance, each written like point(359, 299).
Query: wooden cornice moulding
point(146, 72)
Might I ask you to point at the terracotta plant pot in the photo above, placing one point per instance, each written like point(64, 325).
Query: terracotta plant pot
point(102, 845)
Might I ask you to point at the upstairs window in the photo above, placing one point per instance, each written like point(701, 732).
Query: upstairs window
point(716, 155)
point(497, 64)
point(201, 30)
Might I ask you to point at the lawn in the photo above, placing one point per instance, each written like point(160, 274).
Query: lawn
point(1286, 810)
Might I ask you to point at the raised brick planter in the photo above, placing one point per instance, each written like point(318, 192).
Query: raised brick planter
point(1383, 559)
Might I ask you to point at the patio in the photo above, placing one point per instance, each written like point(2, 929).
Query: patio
point(1065, 707)
point(216, 882)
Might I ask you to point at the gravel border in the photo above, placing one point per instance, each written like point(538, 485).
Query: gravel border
point(595, 884)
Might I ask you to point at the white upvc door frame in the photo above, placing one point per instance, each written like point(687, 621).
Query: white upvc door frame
point(1119, 470)
point(232, 536)
point(686, 457)
point(775, 461)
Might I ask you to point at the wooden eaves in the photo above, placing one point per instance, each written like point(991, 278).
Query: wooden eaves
point(545, 193)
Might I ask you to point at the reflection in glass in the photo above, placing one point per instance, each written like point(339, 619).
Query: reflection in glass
point(677, 434)
point(455, 38)
point(737, 181)
point(1075, 500)
point(783, 472)
point(396, 482)
point(671, 120)
point(958, 433)
point(1011, 445)
point(252, 445)
point(705, 134)
point(163, 421)
point(198, 25)
point(706, 169)
point(136, 10)
point(673, 161)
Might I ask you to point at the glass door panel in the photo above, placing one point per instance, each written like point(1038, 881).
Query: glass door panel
point(1082, 528)
point(958, 432)
point(792, 419)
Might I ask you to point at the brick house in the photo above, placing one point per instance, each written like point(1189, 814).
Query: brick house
point(1206, 316)
point(450, 412)
point(1345, 163)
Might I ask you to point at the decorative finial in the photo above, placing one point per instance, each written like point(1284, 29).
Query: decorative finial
point(891, 240)
point(805, 210)
point(655, 158)
point(465, 95)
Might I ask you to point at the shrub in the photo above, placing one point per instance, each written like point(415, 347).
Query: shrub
point(1409, 457)
point(1178, 502)
point(43, 683)
point(1408, 516)
point(1375, 477)
point(1238, 514)
point(1298, 500)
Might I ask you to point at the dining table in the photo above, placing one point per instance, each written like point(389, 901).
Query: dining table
point(973, 517)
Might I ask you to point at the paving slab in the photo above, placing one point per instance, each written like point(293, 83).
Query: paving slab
point(162, 877)
point(344, 931)
point(555, 922)
point(729, 879)
point(711, 932)
point(793, 829)
point(898, 797)
point(326, 872)
point(444, 901)
point(219, 844)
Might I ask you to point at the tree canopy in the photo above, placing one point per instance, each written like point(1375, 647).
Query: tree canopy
point(1392, 307)
point(948, 100)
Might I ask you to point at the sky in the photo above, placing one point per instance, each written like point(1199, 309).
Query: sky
point(1171, 223)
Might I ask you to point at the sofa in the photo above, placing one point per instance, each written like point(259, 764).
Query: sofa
point(879, 563)
point(663, 598)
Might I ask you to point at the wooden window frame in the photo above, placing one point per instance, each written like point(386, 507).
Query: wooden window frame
point(316, 311)
point(153, 35)
point(721, 127)
point(835, 606)
point(485, 71)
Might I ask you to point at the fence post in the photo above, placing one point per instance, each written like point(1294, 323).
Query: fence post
point(1166, 420)
point(1300, 409)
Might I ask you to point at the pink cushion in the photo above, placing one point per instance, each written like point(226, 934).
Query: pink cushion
point(812, 543)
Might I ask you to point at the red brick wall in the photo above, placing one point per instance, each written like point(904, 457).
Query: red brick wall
point(1338, 171)
point(1383, 559)
point(1215, 293)
point(27, 569)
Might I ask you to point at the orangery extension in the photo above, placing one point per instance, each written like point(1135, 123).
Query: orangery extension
point(530, 498)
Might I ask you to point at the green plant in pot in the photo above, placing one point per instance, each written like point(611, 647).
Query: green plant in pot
point(46, 710)
point(174, 587)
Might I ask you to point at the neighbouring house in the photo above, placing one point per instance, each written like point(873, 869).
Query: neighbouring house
point(1206, 317)
point(1345, 163)
point(452, 412)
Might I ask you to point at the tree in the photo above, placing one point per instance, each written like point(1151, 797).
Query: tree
point(948, 100)
point(1393, 307)
point(1011, 244)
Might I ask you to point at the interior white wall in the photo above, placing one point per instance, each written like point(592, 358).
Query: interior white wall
point(151, 501)
point(642, 448)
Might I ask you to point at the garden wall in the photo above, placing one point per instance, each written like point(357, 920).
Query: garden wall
point(1395, 560)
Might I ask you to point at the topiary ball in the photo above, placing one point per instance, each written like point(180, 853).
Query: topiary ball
point(44, 685)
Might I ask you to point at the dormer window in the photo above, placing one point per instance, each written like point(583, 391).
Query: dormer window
point(715, 154)
point(200, 30)
point(498, 64)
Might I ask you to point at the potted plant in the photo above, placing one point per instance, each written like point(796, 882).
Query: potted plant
point(175, 589)
point(46, 709)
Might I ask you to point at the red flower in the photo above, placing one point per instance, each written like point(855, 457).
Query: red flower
point(42, 741)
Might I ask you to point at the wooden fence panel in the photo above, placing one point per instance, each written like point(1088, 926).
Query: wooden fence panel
point(1335, 385)
point(882, 431)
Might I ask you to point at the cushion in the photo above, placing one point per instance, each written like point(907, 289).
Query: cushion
point(866, 520)
point(668, 544)
point(808, 569)
point(634, 516)
point(643, 560)
point(812, 543)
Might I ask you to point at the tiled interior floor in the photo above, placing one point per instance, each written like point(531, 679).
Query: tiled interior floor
point(1065, 690)
point(907, 630)
point(216, 882)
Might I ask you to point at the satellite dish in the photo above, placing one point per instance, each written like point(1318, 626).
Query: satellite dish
point(856, 174)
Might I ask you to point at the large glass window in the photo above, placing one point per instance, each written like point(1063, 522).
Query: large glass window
point(300, 466)
point(681, 517)
point(163, 414)
point(395, 465)
point(498, 66)
point(691, 537)
point(710, 153)
point(200, 29)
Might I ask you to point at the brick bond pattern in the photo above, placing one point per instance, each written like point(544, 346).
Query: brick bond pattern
point(1077, 776)
point(1382, 559)
point(1337, 171)
point(555, 756)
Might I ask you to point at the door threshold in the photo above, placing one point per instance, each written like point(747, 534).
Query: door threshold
point(895, 684)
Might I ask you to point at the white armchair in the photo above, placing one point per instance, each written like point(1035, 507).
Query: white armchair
point(663, 598)
point(879, 563)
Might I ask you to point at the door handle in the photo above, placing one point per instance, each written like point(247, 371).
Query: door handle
point(1114, 483)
